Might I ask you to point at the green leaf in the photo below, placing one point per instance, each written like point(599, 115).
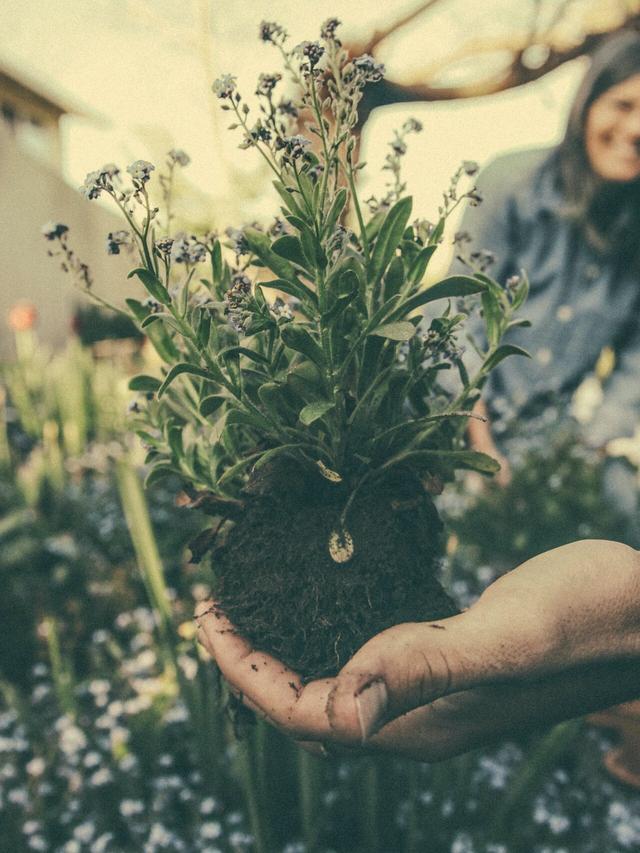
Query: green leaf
point(151, 318)
point(216, 262)
point(158, 335)
point(522, 291)
point(334, 212)
point(231, 472)
point(438, 231)
point(152, 284)
point(255, 420)
point(389, 237)
point(146, 384)
point(373, 226)
point(289, 247)
point(394, 279)
point(492, 316)
point(297, 289)
point(232, 352)
point(305, 380)
point(289, 200)
point(298, 338)
point(260, 245)
point(183, 367)
point(469, 459)
point(400, 331)
point(503, 352)
point(268, 455)
point(211, 404)
point(455, 285)
point(419, 264)
point(338, 306)
point(158, 473)
point(174, 439)
point(313, 411)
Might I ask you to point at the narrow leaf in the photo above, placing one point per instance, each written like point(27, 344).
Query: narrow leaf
point(455, 285)
point(503, 352)
point(183, 367)
point(313, 411)
point(400, 331)
point(389, 237)
point(147, 384)
point(297, 289)
point(297, 337)
point(152, 284)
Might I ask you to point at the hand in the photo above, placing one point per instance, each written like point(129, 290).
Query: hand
point(556, 638)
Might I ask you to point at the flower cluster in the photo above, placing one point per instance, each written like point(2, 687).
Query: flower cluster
point(187, 249)
point(236, 299)
point(54, 230)
point(116, 240)
point(272, 32)
point(267, 83)
point(224, 86)
point(177, 155)
point(140, 171)
point(99, 180)
point(328, 30)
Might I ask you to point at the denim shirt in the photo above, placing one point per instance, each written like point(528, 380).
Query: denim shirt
point(580, 300)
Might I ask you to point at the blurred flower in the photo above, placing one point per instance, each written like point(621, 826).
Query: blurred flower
point(310, 50)
point(54, 230)
point(272, 32)
point(128, 808)
point(369, 70)
point(101, 777)
point(328, 29)
point(224, 86)
point(140, 170)
point(267, 83)
point(177, 155)
point(116, 239)
point(163, 245)
point(22, 316)
point(36, 766)
point(293, 146)
point(210, 830)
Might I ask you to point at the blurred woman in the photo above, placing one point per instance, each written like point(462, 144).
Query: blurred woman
point(570, 217)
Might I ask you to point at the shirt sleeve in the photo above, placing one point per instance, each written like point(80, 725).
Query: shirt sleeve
point(618, 414)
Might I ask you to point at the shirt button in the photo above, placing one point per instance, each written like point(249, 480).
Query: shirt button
point(591, 272)
point(544, 356)
point(564, 313)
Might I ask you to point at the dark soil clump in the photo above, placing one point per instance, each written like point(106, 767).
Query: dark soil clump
point(277, 582)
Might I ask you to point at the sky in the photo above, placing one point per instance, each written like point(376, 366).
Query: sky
point(144, 68)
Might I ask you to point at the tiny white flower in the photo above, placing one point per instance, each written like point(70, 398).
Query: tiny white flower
point(210, 830)
point(36, 766)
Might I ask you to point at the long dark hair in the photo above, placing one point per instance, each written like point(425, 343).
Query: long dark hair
point(608, 214)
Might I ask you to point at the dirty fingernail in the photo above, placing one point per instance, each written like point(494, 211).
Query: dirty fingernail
point(371, 706)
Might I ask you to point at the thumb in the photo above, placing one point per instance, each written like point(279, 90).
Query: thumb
point(401, 668)
point(411, 665)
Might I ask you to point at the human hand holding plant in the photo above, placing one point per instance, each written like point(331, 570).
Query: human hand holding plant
point(313, 425)
point(556, 638)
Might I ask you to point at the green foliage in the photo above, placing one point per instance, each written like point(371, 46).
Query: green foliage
point(346, 359)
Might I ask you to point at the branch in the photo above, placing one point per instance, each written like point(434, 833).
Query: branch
point(516, 74)
point(379, 36)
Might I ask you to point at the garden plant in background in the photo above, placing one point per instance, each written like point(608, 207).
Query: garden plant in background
point(556, 496)
point(315, 427)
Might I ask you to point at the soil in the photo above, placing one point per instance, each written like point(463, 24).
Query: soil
point(277, 582)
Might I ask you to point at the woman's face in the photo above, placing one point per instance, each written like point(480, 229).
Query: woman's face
point(612, 133)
